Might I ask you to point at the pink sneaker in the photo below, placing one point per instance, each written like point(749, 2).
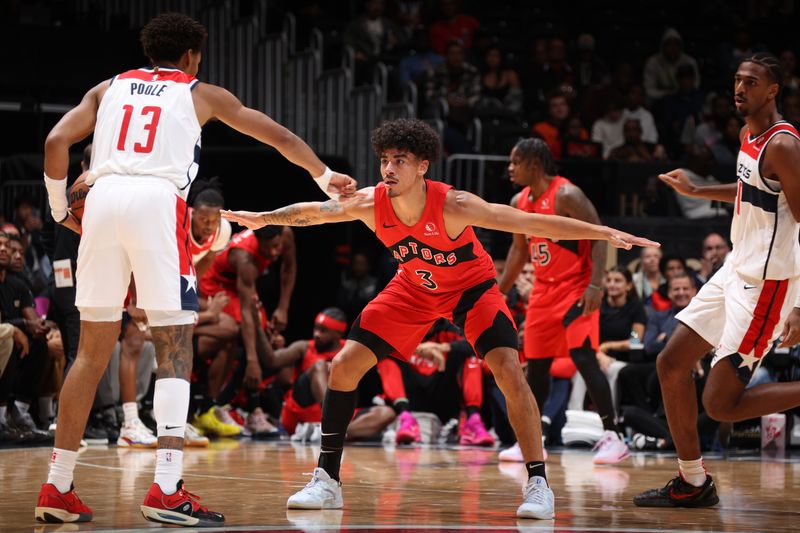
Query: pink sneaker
point(473, 432)
point(610, 449)
point(407, 429)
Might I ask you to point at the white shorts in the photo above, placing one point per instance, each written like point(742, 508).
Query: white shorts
point(140, 225)
point(741, 318)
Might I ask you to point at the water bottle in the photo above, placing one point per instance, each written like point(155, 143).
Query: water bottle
point(637, 348)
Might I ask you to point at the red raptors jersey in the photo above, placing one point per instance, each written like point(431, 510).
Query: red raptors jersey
point(312, 356)
point(222, 275)
point(555, 262)
point(428, 257)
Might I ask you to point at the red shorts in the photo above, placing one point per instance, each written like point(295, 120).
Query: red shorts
point(554, 324)
point(292, 413)
point(396, 321)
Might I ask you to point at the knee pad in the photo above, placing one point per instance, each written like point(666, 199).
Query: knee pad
point(170, 318)
point(100, 314)
point(171, 406)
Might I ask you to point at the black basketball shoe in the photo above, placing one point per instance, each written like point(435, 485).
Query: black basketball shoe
point(679, 493)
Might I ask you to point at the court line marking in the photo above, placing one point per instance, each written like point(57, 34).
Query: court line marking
point(537, 525)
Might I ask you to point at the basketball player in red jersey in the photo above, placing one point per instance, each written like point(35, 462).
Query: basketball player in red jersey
point(740, 310)
point(147, 126)
point(209, 234)
point(562, 319)
point(444, 272)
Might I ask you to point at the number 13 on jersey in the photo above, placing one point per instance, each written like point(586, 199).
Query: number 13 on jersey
point(150, 126)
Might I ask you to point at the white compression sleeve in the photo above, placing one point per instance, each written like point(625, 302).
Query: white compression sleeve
point(57, 196)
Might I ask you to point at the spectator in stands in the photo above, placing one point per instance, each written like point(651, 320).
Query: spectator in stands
point(709, 132)
point(791, 79)
point(557, 72)
point(638, 382)
point(17, 267)
point(11, 338)
point(622, 328)
point(634, 108)
point(607, 130)
point(407, 14)
point(458, 83)
point(374, 37)
point(550, 130)
point(420, 63)
point(648, 278)
point(633, 148)
point(698, 170)
point(726, 149)
point(715, 250)
point(29, 222)
point(452, 25)
point(575, 141)
point(501, 93)
point(590, 71)
point(791, 108)
point(21, 378)
point(661, 69)
point(671, 266)
point(531, 71)
point(358, 286)
point(680, 111)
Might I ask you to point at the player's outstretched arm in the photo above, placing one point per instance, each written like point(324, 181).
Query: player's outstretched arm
point(679, 181)
point(360, 207)
point(477, 212)
point(216, 102)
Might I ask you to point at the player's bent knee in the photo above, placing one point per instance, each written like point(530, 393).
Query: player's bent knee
point(100, 314)
point(504, 364)
point(170, 318)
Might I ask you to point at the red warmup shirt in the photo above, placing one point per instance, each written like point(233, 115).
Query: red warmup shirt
point(312, 356)
point(429, 259)
point(556, 262)
point(222, 275)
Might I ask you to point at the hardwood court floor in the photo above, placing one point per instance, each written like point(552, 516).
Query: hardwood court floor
point(419, 489)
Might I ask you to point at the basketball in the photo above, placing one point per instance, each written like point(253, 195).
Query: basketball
point(77, 195)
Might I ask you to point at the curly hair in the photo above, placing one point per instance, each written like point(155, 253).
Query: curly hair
point(412, 135)
point(169, 35)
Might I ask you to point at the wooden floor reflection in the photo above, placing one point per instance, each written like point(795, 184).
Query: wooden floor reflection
point(407, 489)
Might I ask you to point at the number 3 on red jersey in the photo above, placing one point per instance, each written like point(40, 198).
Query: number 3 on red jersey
point(150, 127)
point(427, 280)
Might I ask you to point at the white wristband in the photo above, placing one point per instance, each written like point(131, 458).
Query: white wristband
point(324, 180)
point(57, 196)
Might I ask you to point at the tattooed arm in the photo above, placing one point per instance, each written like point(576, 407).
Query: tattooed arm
point(360, 207)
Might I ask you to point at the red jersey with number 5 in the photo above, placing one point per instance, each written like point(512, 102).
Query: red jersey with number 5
point(147, 126)
point(555, 262)
point(429, 259)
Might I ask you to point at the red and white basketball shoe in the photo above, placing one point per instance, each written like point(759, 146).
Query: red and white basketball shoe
point(181, 508)
point(54, 507)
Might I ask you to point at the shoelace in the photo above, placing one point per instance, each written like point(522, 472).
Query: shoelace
point(602, 442)
point(536, 493)
point(194, 498)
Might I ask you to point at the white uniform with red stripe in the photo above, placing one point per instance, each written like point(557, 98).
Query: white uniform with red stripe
point(743, 306)
point(145, 152)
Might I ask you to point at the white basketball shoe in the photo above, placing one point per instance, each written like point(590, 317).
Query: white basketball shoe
point(538, 501)
point(322, 492)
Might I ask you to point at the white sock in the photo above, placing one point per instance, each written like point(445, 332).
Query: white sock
point(3, 410)
point(693, 472)
point(62, 465)
point(131, 411)
point(169, 469)
point(22, 407)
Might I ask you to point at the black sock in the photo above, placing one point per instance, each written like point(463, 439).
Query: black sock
point(536, 468)
point(471, 410)
point(337, 411)
point(585, 359)
point(539, 379)
point(401, 406)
